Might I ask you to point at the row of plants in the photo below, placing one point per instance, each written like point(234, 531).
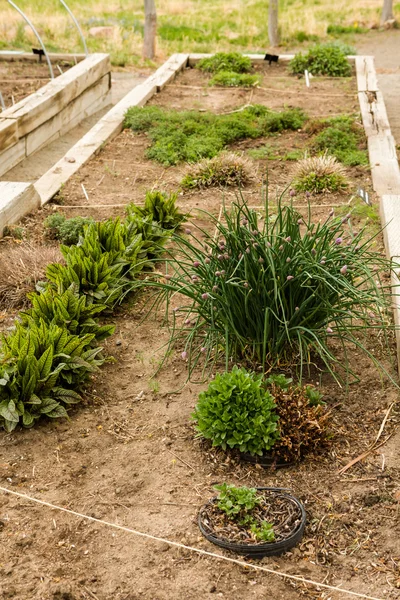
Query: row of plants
point(54, 347)
point(232, 69)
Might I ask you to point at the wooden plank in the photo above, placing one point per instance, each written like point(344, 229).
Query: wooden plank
point(66, 119)
point(373, 113)
point(168, 70)
point(390, 218)
point(366, 74)
point(57, 94)
point(17, 199)
point(106, 129)
point(29, 57)
point(384, 165)
point(8, 133)
point(12, 156)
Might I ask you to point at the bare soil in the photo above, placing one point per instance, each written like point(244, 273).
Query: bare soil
point(129, 454)
point(20, 79)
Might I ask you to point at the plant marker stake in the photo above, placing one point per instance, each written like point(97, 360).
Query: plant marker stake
point(307, 78)
point(76, 25)
point(2, 103)
point(31, 25)
point(85, 192)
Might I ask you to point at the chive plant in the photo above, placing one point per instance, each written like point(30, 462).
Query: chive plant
point(274, 291)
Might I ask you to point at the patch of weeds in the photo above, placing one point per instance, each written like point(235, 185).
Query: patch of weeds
point(68, 231)
point(233, 62)
point(154, 385)
point(340, 29)
point(322, 59)
point(320, 174)
point(180, 33)
point(294, 155)
point(263, 153)
point(341, 138)
point(226, 169)
point(302, 36)
point(231, 79)
point(14, 231)
point(190, 135)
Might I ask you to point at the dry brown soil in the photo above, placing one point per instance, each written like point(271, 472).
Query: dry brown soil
point(129, 455)
point(19, 79)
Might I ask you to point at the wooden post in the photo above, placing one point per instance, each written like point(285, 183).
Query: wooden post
point(387, 11)
point(273, 31)
point(150, 28)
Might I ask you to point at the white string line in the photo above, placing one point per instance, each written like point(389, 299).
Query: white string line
point(191, 548)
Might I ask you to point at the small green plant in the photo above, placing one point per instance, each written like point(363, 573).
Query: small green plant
point(319, 174)
point(190, 136)
point(236, 412)
point(41, 367)
point(238, 504)
point(342, 138)
point(226, 169)
point(322, 59)
point(233, 62)
point(232, 79)
point(14, 231)
point(161, 208)
point(68, 231)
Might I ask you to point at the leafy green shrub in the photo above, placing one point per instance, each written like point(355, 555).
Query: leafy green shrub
point(238, 504)
point(322, 59)
point(66, 308)
point(233, 62)
point(41, 366)
point(342, 138)
point(190, 136)
point(232, 79)
point(68, 231)
point(319, 174)
point(236, 412)
point(276, 290)
point(226, 169)
point(111, 254)
point(161, 208)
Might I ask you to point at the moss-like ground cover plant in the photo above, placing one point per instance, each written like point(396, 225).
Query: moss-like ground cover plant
point(322, 59)
point(274, 291)
point(189, 136)
point(226, 61)
point(342, 137)
point(53, 349)
point(68, 231)
point(230, 79)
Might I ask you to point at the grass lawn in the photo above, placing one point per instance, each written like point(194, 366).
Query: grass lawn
point(195, 25)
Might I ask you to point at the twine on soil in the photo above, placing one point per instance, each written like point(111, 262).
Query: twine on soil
point(190, 548)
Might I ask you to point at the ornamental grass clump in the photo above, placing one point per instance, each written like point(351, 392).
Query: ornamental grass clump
point(226, 169)
point(237, 412)
point(274, 291)
point(318, 174)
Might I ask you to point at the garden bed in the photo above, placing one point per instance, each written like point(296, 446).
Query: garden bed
point(129, 453)
point(20, 79)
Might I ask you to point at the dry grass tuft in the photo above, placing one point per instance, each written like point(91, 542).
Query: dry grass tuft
point(21, 268)
point(317, 174)
point(225, 169)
